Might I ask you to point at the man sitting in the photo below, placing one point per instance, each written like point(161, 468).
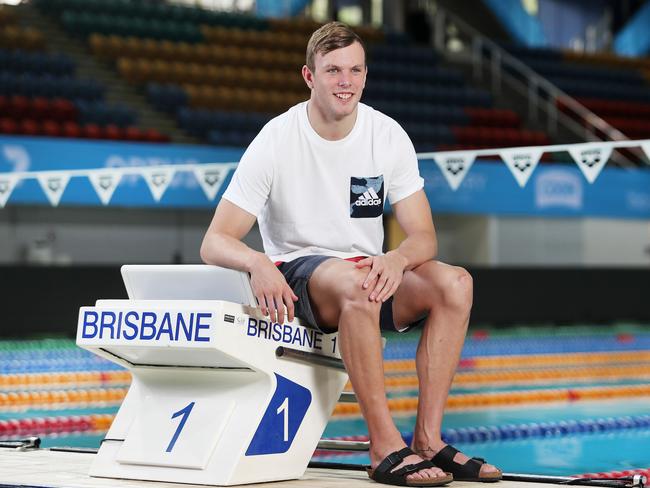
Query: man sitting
point(316, 179)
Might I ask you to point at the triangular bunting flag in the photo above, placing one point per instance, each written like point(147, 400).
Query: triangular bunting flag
point(646, 149)
point(105, 182)
point(158, 179)
point(590, 158)
point(455, 165)
point(7, 183)
point(522, 162)
point(210, 177)
point(53, 184)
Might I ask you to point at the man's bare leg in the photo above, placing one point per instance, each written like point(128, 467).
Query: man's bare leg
point(340, 302)
point(444, 293)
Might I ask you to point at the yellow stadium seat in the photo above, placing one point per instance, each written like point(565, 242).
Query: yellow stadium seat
point(194, 73)
point(9, 37)
point(149, 48)
point(200, 53)
point(211, 73)
point(115, 47)
point(127, 69)
point(160, 71)
point(167, 50)
point(228, 75)
point(98, 45)
point(130, 46)
point(33, 39)
point(250, 57)
point(258, 100)
point(185, 52)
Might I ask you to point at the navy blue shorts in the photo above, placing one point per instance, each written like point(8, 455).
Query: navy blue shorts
point(297, 274)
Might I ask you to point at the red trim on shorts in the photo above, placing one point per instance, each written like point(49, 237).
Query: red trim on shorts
point(356, 259)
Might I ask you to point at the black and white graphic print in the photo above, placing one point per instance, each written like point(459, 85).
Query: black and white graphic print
point(590, 158)
point(366, 197)
point(454, 165)
point(521, 162)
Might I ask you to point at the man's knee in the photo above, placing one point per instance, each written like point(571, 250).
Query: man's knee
point(339, 289)
point(353, 297)
point(452, 285)
point(458, 289)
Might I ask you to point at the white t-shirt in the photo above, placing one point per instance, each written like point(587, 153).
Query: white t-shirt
point(314, 196)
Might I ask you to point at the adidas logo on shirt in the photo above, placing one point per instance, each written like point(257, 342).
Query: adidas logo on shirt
point(366, 197)
point(369, 197)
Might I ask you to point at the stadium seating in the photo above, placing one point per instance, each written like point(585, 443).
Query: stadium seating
point(223, 75)
point(614, 88)
point(40, 94)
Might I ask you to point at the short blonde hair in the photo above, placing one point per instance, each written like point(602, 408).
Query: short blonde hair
point(331, 36)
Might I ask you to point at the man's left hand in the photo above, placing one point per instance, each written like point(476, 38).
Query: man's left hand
point(386, 271)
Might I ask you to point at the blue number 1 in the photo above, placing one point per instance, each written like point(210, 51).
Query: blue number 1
point(185, 412)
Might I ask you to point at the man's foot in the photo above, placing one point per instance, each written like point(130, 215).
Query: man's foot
point(428, 472)
point(460, 465)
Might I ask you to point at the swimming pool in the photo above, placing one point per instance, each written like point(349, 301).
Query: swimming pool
point(543, 400)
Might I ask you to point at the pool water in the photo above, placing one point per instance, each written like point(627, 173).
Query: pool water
point(539, 400)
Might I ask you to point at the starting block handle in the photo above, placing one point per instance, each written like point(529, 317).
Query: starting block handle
point(336, 445)
point(309, 357)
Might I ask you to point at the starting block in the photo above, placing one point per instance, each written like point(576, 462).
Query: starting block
point(219, 394)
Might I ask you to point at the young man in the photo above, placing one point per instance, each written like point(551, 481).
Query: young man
point(316, 179)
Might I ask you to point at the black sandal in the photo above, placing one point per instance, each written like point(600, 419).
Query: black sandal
point(383, 473)
point(470, 471)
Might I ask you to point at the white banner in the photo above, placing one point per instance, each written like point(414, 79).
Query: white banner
point(105, 182)
point(7, 184)
point(522, 162)
point(590, 158)
point(210, 177)
point(455, 165)
point(53, 184)
point(158, 179)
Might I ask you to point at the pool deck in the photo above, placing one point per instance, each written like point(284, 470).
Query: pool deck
point(52, 469)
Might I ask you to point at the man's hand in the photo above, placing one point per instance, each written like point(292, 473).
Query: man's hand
point(387, 270)
point(272, 291)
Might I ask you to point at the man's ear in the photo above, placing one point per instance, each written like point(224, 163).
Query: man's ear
point(308, 76)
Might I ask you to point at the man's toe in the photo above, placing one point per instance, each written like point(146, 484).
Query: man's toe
point(488, 468)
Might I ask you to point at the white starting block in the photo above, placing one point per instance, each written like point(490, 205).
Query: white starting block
point(219, 394)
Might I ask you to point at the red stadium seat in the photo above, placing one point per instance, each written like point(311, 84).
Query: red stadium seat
point(52, 128)
point(71, 129)
point(19, 107)
point(113, 132)
point(63, 109)
point(40, 108)
point(8, 126)
point(92, 131)
point(133, 134)
point(29, 127)
point(152, 135)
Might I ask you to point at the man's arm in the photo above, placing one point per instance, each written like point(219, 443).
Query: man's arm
point(222, 246)
point(413, 213)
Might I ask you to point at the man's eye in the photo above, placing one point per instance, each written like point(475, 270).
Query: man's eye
point(332, 70)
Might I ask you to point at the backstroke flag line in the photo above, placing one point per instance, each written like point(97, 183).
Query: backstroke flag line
point(590, 157)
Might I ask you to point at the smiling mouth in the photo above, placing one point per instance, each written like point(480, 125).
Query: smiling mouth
point(343, 96)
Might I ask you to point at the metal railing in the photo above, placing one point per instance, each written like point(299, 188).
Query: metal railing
point(458, 40)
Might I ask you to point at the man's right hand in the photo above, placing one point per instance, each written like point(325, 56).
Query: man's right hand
point(271, 290)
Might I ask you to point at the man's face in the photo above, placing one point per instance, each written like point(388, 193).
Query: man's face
point(338, 80)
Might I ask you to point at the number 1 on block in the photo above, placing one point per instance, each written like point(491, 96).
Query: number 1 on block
point(285, 409)
point(185, 412)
